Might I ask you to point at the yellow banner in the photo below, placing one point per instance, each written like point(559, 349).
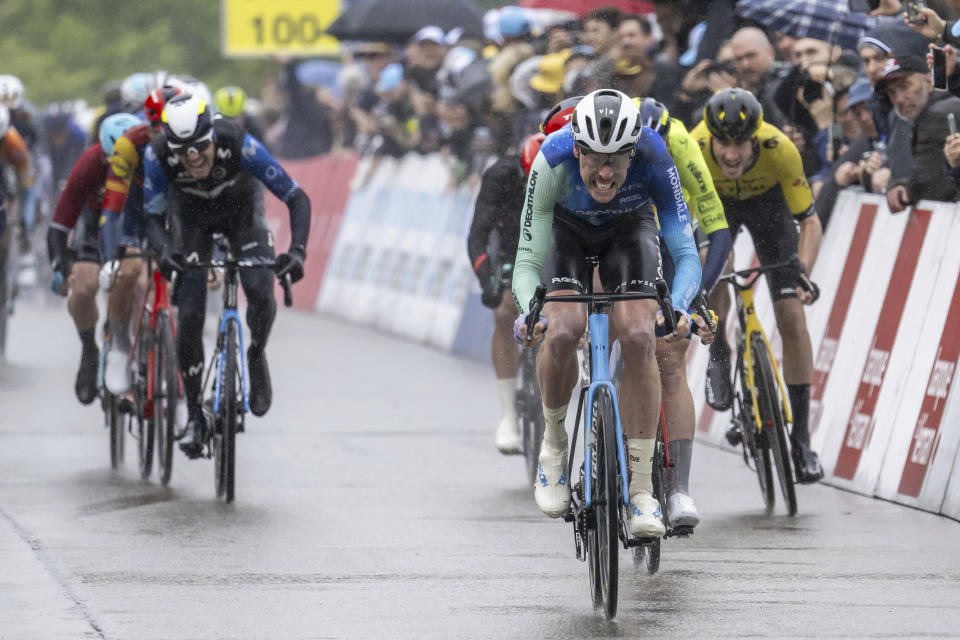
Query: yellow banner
point(251, 28)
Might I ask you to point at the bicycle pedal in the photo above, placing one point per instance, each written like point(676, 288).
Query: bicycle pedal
point(641, 542)
point(125, 405)
point(679, 532)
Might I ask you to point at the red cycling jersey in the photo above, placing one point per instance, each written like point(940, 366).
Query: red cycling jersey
point(85, 186)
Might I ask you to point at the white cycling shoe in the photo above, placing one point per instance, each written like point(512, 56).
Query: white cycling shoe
point(551, 489)
point(681, 511)
point(645, 519)
point(507, 437)
point(116, 373)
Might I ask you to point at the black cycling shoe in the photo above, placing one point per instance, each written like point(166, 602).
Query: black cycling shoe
point(194, 436)
point(806, 463)
point(261, 393)
point(718, 387)
point(86, 384)
point(734, 435)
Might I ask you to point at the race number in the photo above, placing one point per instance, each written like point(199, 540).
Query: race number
point(252, 28)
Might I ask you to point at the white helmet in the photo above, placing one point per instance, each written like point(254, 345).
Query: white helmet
point(11, 91)
point(4, 120)
point(606, 121)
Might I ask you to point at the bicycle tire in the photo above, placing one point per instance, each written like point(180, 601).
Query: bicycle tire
point(146, 426)
point(530, 413)
point(603, 538)
point(165, 393)
point(115, 425)
point(5, 239)
point(225, 438)
point(755, 442)
point(774, 422)
point(651, 554)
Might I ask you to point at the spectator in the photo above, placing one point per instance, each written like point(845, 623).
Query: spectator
point(425, 55)
point(757, 69)
point(906, 82)
point(635, 73)
point(308, 131)
point(515, 29)
point(600, 30)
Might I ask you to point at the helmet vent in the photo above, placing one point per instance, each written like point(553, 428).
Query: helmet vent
point(590, 132)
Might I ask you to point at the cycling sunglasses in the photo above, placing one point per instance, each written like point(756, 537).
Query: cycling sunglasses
point(617, 161)
point(199, 146)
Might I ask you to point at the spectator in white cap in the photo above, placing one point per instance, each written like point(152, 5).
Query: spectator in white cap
point(425, 55)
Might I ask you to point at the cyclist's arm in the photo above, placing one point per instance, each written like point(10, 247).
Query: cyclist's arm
point(123, 164)
point(15, 153)
point(664, 183)
point(703, 201)
point(490, 204)
point(536, 223)
point(154, 200)
point(82, 181)
point(257, 161)
point(800, 200)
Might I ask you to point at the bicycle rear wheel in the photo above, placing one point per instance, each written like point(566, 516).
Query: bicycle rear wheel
point(146, 415)
point(648, 555)
point(5, 290)
point(225, 436)
point(530, 412)
point(114, 423)
point(774, 422)
point(755, 442)
point(604, 537)
point(165, 393)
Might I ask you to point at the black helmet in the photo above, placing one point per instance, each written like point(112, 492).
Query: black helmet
point(733, 115)
point(654, 115)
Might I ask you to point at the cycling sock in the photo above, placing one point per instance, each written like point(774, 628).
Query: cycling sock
point(507, 389)
point(120, 336)
point(640, 451)
point(89, 339)
point(678, 475)
point(800, 404)
point(553, 430)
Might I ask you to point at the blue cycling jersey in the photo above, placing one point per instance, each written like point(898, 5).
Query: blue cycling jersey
point(555, 184)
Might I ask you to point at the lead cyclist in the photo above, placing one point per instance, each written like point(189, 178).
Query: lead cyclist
point(592, 189)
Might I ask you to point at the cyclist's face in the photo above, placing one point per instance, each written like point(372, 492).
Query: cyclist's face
point(603, 173)
point(198, 158)
point(733, 157)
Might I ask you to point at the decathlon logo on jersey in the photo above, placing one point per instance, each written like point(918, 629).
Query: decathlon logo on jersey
point(528, 213)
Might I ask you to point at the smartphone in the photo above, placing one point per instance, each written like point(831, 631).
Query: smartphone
point(951, 123)
point(912, 8)
point(863, 6)
point(938, 72)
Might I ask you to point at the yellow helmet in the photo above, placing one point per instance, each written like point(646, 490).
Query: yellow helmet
point(230, 101)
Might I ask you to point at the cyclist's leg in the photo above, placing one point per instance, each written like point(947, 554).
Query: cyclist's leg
point(631, 264)
point(564, 271)
point(718, 385)
point(679, 426)
point(255, 242)
point(121, 303)
point(82, 305)
point(776, 236)
point(506, 359)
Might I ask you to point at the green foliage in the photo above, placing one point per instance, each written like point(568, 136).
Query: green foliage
point(68, 49)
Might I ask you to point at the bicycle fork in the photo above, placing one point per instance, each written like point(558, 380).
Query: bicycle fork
point(230, 314)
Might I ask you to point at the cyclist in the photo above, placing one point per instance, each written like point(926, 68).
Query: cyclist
point(232, 102)
point(209, 166)
point(677, 401)
point(592, 188)
point(79, 206)
point(14, 95)
point(124, 193)
point(759, 176)
point(495, 216)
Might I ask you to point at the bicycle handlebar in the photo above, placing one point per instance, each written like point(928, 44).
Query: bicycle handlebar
point(249, 264)
point(804, 280)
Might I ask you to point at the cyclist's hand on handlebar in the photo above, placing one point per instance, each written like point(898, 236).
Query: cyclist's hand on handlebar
point(807, 290)
point(706, 336)
point(520, 330)
point(170, 263)
point(291, 263)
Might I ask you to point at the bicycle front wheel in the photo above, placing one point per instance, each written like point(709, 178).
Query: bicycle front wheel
point(225, 437)
point(165, 393)
point(774, 422)
point(530, 412)
point(756, 442)
point(604, 537)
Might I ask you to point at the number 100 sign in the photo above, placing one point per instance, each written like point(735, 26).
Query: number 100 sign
point(250, 28)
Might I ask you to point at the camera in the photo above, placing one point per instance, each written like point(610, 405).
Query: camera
point(813, 90)
point(913, 8)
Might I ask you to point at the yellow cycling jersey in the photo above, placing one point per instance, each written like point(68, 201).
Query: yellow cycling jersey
point(775, 161)
point(695, 179)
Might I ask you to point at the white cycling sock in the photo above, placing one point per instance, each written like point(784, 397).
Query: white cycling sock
point(554, 432)
point(640, 452)
point(507, 389)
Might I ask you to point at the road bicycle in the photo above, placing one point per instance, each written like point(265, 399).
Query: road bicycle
point(529, 410)
point(113, 411)
point(600, 498)
point(761, 408)
point(225, 380)
point(156, 387)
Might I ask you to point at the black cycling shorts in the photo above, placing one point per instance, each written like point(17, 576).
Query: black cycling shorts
point(85, 239)
point(627, 248)
point(775, 234)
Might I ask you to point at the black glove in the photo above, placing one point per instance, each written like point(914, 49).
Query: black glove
point(490, 295)
point(491, 298)
point(291, 263)
point(169, 263)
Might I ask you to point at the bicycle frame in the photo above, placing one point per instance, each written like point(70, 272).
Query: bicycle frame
point(161, 302)
point(749, 326)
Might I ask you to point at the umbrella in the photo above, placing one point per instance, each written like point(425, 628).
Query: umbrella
point(827, 20)
point(583, 7)
point(397, 20)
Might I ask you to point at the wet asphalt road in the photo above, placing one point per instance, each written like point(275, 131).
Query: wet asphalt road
point(371, 503)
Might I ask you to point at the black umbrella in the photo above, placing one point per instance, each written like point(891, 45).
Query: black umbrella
point(397, 20)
